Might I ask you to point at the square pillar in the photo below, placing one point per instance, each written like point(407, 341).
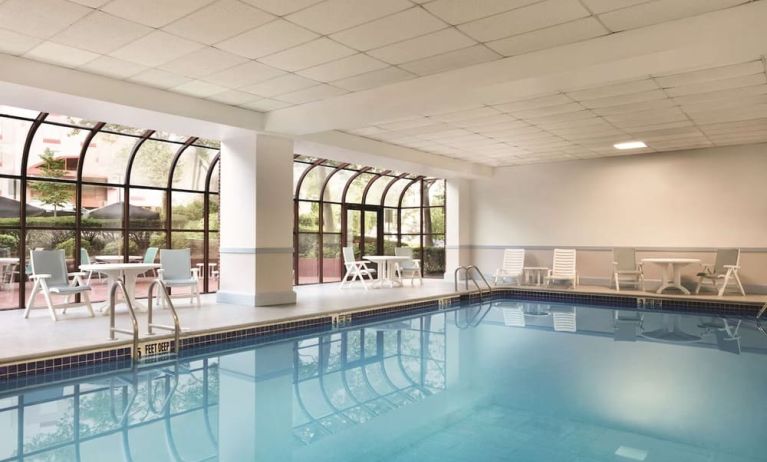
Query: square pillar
point(256, 220)
point(457, 225)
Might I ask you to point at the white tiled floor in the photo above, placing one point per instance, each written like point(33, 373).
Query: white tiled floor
point(37, 336)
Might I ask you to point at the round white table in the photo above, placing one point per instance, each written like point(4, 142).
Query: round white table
point(387, 269)
point(129, 272)
point(116, 258)
point(672, 276)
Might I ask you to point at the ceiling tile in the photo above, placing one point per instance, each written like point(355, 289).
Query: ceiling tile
point(155, 49)
point(714, 85)
point(307, 55)
point(525, 19)
point(335, 15)
point(34, 18)
point(342, 68)
point(373, 79)
point(248, 73)
point(532, 103)
point(218, 21)
point(280, 85)
point(658, 11)
point(617, 89)
point(483, 111)
point(705, 75)
point(547, 111)
point(421, 47)
point(91, 3)
point(234, 97)
point(153, 13)
point(267, 39)
point(100, 33)
point(198, 88)
point(266, 105)
point(113, 67)
point(282, 7)
point(394, 28)
point(633, 107)
point(62, 55)
point(601, 6)
point(562, 34)
point(451, 60)
point(14, 43)
point(203, 62)
point(722, 94)
point(624, 99)
point(311, 94)
point(461, 11)
point(159, 79)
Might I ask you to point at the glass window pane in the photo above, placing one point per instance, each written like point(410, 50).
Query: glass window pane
point(102, 206)
point(107, 157)
point(335, 188)
point(192, 168)
point(411, 221)
point(213, 259)
point(313, 181)
point(331, 257)
point(390, 221)
point(354, 194)
point(51, 204)
point(434, 254)
point(214, 178)
point(9, 268)
point(308, 216)
point(187, 210)
point(298, 170)
point(147, 208)
point(70, 120)
point(434, 220)
point(117, 128)
point(308, 250)
point(55, 152)
point(435, 192)
point(44, 239)
point(214, 204)
point(195, 242)
point(392, 196)
point(140, 241)
point(414, 242)
point(151, 166)
point(13, 135)
point(100, 247)
point(9, 202)
point(331, 218)
point(374, 193)
point(412, 196)
point(390, 243)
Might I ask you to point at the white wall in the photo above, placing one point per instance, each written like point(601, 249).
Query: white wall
point(685, 201)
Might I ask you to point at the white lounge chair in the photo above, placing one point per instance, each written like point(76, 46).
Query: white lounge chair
point(626, 269)
point(49, 273)
point(563, 267)
point(177, 272)
point(409, 268)
point(512, 267)
point(355, 269)
point(725, 268)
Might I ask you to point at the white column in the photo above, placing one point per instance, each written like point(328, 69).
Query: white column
point(256, 220)
point(457, 225)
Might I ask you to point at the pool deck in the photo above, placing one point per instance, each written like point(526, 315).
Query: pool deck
point(22, 339)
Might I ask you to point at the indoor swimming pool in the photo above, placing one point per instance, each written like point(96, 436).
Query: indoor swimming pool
point(500, 381)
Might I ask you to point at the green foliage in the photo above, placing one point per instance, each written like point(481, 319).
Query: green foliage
point(9, 241)
point(51, 193)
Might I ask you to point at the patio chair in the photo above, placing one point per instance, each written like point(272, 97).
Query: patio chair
point(409, 268)
point(50, 276)
point(149, 257)
point(355, 269)
point(85, 259)
point(626, 269)
point(512, 266)
point(563, 267)
point(177, 272)
point(725, 268)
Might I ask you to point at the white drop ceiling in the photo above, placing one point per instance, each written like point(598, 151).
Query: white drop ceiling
point(279, 55)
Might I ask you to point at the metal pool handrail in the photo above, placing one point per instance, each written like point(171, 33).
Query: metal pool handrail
point(112, 329)
point(759, 315)
point(176, 327)
point(468, 275)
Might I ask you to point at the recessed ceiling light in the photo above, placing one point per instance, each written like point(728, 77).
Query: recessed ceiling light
point(630, 145)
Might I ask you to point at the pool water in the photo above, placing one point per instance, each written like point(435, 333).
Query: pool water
point(507, 381)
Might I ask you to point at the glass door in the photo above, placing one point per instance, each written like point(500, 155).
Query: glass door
point(363, 230)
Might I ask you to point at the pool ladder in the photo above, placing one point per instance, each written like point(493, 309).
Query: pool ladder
point(134, 332)
point(467, 270)
point(759, 315)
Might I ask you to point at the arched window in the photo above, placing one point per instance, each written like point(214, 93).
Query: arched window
point(95, 189)
point(373, 211)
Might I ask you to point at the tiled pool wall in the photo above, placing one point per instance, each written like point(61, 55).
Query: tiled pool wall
point(77, 364)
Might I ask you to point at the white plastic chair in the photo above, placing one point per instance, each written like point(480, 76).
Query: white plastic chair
point(355, 269)
point(49, 273)
point(725, 268)
point(409, 268)
point(512, 267)
point(626, 269)
point(177, 271)
point(563, 267)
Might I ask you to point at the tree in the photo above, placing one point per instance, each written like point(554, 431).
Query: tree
point(48, 192)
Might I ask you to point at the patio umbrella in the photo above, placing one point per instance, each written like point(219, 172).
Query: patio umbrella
point(115, 211)
point(9, 208)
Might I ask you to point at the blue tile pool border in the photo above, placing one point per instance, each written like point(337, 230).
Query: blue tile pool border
point(94, 360)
